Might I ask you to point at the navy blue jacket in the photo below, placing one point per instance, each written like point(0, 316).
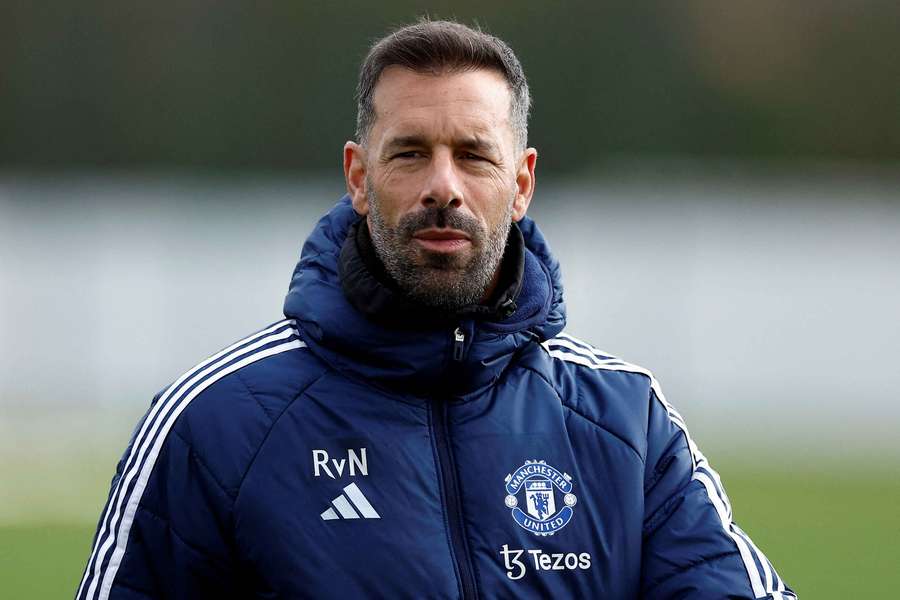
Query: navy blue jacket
point(332, 456)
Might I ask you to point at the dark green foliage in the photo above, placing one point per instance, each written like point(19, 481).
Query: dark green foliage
point(270, 85)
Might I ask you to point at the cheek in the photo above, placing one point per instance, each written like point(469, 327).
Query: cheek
point(397, 193)
point(401, 179)
point(497, 197)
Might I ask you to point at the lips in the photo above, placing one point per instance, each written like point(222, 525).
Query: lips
point(442, 240)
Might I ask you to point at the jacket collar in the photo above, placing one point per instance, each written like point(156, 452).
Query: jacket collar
point(415, 355)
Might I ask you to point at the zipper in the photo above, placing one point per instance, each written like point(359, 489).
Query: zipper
point(458, 547)
point(459, 344)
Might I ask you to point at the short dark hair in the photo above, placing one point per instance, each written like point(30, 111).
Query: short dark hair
point(437, 47)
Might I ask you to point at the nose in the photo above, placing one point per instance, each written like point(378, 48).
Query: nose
point(443, 187)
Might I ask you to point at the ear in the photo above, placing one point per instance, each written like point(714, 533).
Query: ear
point(355, 175)
point(524, 184)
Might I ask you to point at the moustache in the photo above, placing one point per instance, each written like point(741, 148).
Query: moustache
point(440, 218)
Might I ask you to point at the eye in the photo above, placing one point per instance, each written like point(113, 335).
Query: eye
point(470, 156)
point(408, 154)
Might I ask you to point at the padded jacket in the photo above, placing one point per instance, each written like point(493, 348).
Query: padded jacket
point(340, 453)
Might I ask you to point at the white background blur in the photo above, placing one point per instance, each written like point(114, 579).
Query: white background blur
point(766, 303)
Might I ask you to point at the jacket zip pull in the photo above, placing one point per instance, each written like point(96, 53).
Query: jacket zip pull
point(459, 344)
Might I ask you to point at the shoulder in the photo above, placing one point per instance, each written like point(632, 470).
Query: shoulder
point(576, 362)
point(224, 406)
point(269, 361)
point(616, 394)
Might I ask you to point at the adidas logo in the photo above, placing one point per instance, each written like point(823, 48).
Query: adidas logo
point(350, 505)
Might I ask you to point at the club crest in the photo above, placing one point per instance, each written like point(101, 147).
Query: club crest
point(539, 482)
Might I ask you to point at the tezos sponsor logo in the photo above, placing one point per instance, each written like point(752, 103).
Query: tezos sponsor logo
point(539, 481)
point(516, 562)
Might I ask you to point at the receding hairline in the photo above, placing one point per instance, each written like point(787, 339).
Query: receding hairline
point(437, 48)
point(498, 76)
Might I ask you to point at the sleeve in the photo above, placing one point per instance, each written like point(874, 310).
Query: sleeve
point(692, 547)
point(163, 532)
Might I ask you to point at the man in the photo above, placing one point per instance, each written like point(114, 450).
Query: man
point(420, 426)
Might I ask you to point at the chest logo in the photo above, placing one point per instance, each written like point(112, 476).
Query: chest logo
point(354, 463)
point(540, 482)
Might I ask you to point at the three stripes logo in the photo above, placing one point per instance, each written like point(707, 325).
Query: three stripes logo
point(351, 504)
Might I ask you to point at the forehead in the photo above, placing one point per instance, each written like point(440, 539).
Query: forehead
point(451, 105)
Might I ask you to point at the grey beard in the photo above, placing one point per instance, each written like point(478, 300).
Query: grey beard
point(440, 282)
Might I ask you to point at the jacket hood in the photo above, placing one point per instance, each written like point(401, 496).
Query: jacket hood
point(414, 359)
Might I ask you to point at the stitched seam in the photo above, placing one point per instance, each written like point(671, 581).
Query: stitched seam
point(661, 468)
point(690, 565)
point(586, 418)
point(606, 430)
point(253, 395)
point(543, 378)
point(653, 398)
point(270, 430)
point(662, 514)
point(170, 527)
point(199, 460)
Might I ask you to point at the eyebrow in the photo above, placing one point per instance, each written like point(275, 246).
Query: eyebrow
point(479, 144)
point(473, 142)
point(404, 141)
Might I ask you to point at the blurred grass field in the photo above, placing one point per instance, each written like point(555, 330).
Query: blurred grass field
point(832, 533)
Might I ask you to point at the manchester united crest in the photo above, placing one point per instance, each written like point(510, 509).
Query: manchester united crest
point(533, 487)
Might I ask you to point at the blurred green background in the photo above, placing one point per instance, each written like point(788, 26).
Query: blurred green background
point(739, 163)
point(231, 85)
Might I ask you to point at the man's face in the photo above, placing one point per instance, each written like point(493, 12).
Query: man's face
point(440, 180)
